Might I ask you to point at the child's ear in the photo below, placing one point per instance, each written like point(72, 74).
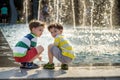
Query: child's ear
point(61, 30)
point(33, 29)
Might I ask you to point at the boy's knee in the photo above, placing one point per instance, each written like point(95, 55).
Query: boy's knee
point(40, 49)
point(50, 46)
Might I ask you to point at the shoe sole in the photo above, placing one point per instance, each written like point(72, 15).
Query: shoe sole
point(49, 68)
point(29, 67)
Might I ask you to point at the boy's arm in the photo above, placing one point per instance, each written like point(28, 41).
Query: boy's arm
point(33, 42)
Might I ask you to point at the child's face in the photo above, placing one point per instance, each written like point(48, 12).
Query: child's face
point(54, 32)
point(38, 31)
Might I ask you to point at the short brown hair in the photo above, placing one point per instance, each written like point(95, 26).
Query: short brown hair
point(55, 25)
point(35, 23)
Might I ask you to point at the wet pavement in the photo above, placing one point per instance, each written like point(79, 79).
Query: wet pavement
point(74, 73)
point(6, 59)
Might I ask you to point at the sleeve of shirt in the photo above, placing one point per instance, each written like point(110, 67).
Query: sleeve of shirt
point(56, 41)
point(33, 42)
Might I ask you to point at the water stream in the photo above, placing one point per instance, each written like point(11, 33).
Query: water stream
point(104, 48)
point(95, 41)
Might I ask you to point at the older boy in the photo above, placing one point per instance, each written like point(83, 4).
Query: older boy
point(61, 48)
point(25, 51)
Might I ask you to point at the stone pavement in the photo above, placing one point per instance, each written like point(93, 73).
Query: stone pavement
point(6, 58)
point(74, 73)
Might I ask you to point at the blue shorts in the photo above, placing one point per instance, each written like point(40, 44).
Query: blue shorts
point(4, 16)
point(58, 54)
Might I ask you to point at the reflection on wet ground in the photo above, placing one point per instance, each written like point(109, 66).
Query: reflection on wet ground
point(6, 59)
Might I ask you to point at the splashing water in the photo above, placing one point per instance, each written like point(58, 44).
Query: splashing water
point(104, 49)
point(96, 41)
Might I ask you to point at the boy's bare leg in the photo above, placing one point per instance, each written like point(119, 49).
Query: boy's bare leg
point(50, 55)
point(5, 21)
point(39, 49)
point(2, 20)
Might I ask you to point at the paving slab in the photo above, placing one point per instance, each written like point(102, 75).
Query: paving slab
point(74, 73)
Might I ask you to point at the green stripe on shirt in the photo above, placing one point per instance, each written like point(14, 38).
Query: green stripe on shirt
point(19, 54)
point(22, 44)
point(33, 44)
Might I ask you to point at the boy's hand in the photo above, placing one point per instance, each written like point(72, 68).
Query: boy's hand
point(40, 58)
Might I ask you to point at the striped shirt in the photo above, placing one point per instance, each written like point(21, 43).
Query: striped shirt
point(64, 45)
point(28, 41)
